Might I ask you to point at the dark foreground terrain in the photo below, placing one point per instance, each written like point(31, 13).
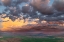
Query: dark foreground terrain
point(31, 39)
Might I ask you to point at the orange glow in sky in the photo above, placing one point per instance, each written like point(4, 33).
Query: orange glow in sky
point(17, 23)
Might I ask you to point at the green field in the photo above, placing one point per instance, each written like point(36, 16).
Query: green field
point(30, 39)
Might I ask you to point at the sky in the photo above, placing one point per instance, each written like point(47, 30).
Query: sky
point(51, 2)
point(19, 11)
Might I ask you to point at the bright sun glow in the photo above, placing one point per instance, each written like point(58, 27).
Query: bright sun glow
point(17, 23)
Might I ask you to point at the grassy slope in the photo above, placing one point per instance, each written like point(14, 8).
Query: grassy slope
point(27, 39)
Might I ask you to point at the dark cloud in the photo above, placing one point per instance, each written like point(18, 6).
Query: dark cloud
point(13, 2)
point(13, 18)
point(30, 9)
point(0, 4)
point(19, 1)
point(58, 5)
point(6, 2)
point(42, 6)
point(15, 11)
point(26, 9)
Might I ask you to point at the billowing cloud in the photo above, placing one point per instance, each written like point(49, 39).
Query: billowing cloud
point(29, 8)
point(26, 9)
point(58, 5)
point(6, 2)
point(42, 6)
point(12, 2)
